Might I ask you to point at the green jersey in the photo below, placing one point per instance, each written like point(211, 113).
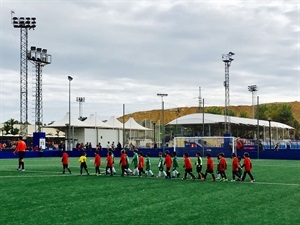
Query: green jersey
point(148, 164)
point(175, 163)
point(135, 159)
point(198, 162)
point(161, 163)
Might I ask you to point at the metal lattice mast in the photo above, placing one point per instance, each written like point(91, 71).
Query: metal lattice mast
point(38, 98)
point(227, 59)
point(23, 82)
point(24, 24)
point(39, 58)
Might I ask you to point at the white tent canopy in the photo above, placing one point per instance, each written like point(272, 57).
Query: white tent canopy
point(197, 118)
point(114, 123)
point(63, 122)
point(131, 124)
point(93, 121)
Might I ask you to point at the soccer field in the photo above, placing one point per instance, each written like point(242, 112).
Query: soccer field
point(42, 195)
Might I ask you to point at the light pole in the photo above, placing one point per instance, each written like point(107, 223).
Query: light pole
point(253, 90)
point(270, 135)
point(69, 132)
point(24, 24)
point(39, 58)
point(153, 123)
point(81, 100)
point(227, 59)
point(162, 118)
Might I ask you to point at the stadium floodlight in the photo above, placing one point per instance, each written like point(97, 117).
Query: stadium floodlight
point(69, 132)
point(253, 90)
point(39, 58)
point(162, 118)
point(24, 24)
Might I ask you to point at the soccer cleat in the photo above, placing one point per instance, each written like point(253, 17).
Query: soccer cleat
point(232, 180)
point(23, 170)
point(252, 181)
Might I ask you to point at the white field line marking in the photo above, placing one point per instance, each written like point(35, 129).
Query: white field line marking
point(72, 175)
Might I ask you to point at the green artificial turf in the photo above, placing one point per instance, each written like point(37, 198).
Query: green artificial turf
point(42, 195)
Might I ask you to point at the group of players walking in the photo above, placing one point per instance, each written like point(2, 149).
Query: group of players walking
point(168, 165)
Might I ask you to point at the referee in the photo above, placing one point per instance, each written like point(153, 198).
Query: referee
point(20, 149)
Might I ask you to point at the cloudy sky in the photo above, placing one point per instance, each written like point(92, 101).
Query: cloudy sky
point(125, 52)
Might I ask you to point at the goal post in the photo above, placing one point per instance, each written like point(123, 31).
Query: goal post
point(207, 144)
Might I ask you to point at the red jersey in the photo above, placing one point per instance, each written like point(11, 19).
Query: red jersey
point(123, 160)
point(97, 161)
point(187, 163)
point(21, 146)
point(235, 164)
point(222, 164)
point(247, 164)
point(65, 158)
point(168, 161)
point(109, 161)
point(141, 162)
point(210, 164)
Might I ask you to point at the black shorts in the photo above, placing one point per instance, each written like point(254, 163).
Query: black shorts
point(83, 165)
point(198, 169)
point(65, 166)
point(21, 154)
point(188, 170)
point(209, 171)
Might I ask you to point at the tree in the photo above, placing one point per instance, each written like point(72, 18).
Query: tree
point(214, 110)
point(9, 127)
point(243, 114)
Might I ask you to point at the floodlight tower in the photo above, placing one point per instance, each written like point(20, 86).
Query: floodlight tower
point(200, 100)
point(163, 119)
point(253, 90)
point(24, 24)
point(227, 59)
point(39, 58)
point(81, 100)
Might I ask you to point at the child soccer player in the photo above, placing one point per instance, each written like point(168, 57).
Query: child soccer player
point(141, 164)
point(175, 173)
point(248, 166)
point(109, 164)
point(148, 165)
point(135, 160)
point(97, 163)
point(187, 165)
point(223, 166)
point(83, 165)
point(209, 168)
point(128, 170)
point(161, 165)
point(240, 166)
point(168, 163)
point(235, 167)
point(218, 167)
point(65, 162)
point(123, 163)
point(198, 164)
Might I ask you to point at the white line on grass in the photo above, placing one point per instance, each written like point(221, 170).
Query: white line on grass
point(72, 175)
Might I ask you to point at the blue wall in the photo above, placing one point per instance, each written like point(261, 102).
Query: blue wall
point(252, 150)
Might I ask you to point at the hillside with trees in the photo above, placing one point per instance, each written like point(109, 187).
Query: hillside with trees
point(288, 113)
